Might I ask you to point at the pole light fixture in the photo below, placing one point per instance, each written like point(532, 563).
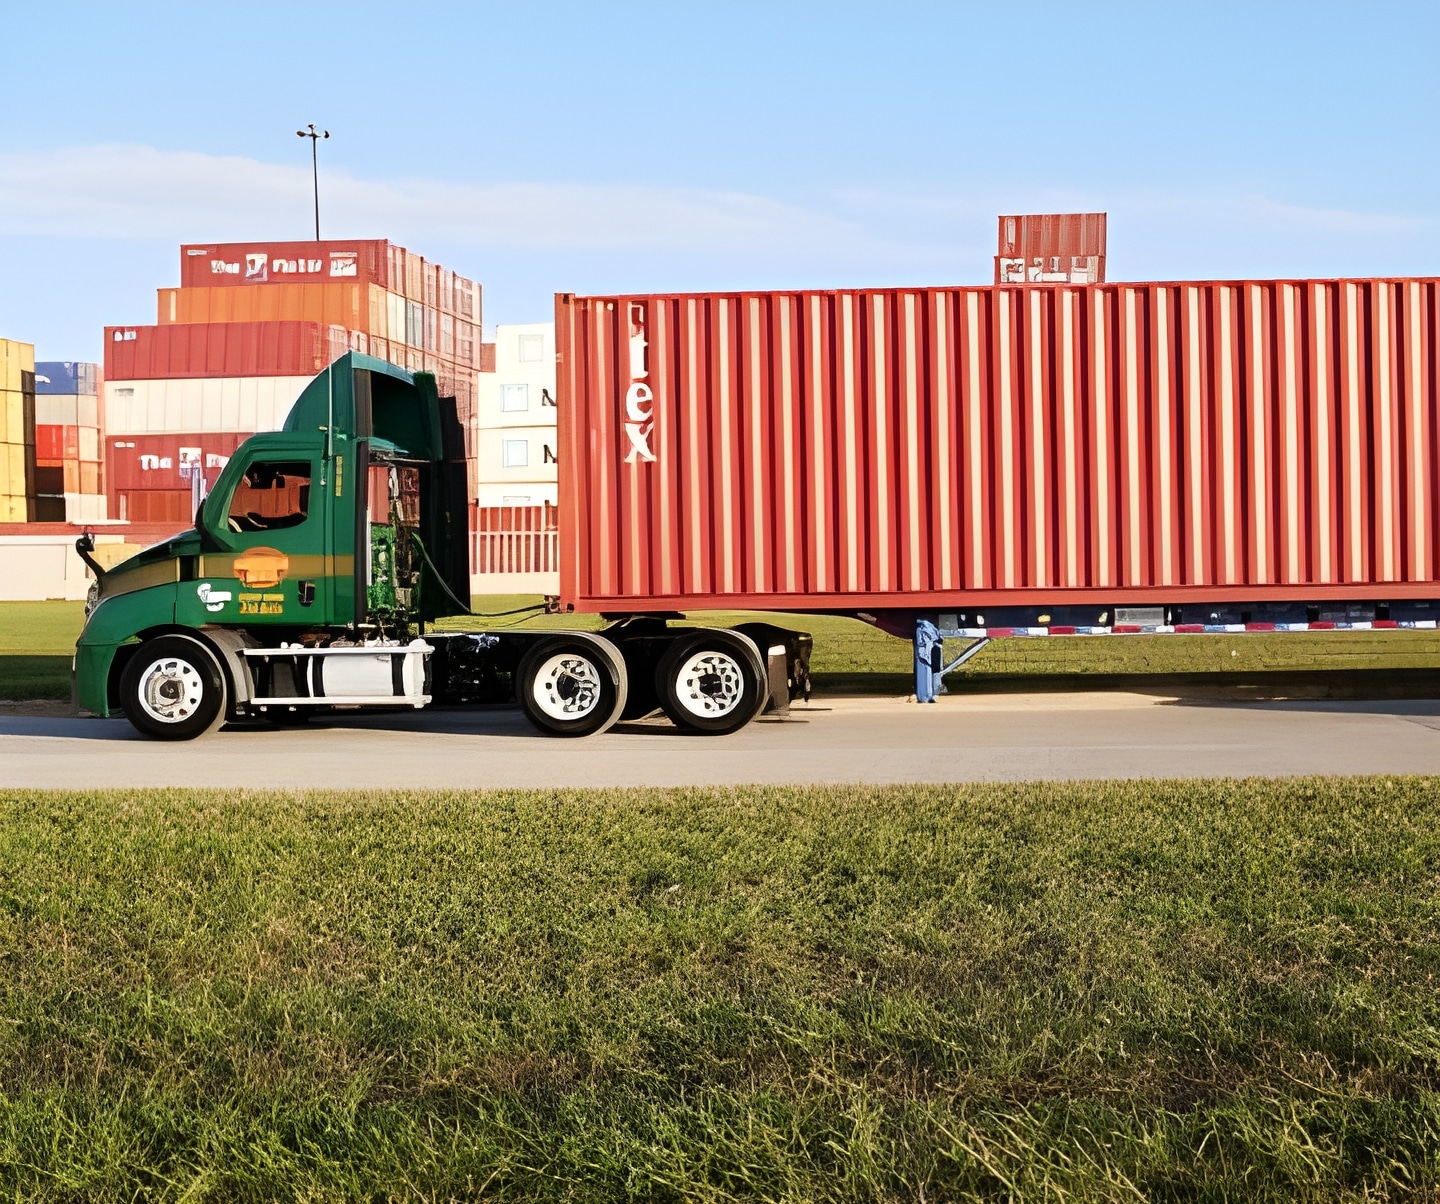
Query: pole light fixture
point(314, 135)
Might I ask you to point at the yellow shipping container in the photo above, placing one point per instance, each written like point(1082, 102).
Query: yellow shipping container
point(13, 457)
point(15, 358)
point(12, 416)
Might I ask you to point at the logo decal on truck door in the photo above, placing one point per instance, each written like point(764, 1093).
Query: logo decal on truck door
point(639, 399)
point(214, 599)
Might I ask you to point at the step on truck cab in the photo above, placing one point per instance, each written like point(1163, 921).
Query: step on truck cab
point(317, 560)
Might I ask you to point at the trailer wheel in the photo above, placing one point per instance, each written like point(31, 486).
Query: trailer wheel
point(711, 683)
point(173, 688)
point(571, 687)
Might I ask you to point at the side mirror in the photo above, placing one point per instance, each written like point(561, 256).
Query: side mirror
point(212, 526)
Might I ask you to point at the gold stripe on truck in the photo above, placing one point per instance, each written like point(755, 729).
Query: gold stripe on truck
point(300, 566)
point(162, 572)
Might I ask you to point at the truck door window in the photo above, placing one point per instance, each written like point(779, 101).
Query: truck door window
point(272, 495)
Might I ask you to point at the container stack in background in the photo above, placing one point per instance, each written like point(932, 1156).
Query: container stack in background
point(1051, 248)
point(248, 327)
point(69, 443)
point(17, 432)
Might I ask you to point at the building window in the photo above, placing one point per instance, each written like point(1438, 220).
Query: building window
point(532, 348)
point(517, 453)
point(514, 397)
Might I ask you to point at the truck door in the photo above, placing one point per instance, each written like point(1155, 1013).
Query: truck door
point(270, 517)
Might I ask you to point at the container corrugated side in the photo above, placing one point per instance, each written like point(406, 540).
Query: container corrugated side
point(160, 462)
point(283, 348)
point(65, 377)
point(59, 409)
point(1179, 442)
point(237, 264)
point(1031, 235)
point(345, 305)
point(246, 403)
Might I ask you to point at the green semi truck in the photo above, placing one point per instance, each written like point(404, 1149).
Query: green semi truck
point(318, 564)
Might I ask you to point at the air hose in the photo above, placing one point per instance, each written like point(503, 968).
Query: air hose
point(464, 610)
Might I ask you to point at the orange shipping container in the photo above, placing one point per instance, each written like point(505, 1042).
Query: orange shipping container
point(348, 305)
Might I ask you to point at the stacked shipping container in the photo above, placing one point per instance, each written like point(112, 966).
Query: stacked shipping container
point(1051, 248)
point(17, 431)
point(69, 445)
point(249, 325)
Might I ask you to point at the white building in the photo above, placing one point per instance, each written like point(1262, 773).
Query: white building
point(517, 442)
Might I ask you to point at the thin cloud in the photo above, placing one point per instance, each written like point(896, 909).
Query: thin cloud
point(125, 191)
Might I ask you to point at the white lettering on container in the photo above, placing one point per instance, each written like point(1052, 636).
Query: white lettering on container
point(639, 399)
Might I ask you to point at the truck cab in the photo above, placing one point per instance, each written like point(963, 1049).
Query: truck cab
point(317, 559)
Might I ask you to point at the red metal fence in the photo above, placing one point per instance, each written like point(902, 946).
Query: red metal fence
point(516, 539)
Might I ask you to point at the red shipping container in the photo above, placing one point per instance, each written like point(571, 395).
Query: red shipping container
point(1042, 248)
point(191, 350)
point(49, 442)
point(237, 264)
point(160, 462)
point(172, 507)
point(1052, 234)
point(1179, 442)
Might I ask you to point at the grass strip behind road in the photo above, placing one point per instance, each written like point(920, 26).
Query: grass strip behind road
point(1215, 990)
point(37, 639)
point(853, 657)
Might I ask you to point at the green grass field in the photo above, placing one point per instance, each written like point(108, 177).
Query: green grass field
point(1165, 991)
point(37, 639)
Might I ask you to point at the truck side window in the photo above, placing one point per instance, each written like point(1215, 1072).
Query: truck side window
point(273, 494)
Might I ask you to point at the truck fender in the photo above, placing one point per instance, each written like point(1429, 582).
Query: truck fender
point(230, 645)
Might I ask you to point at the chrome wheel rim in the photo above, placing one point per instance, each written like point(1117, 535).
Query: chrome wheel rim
point(567, 687)
point(710, 685)
point(171, 690)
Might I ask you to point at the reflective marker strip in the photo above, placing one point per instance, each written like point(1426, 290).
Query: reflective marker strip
point(1000, 633)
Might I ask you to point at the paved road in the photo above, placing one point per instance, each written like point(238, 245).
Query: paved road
point(992, 738)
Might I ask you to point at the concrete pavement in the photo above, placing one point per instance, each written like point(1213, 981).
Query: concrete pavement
point(974, 738)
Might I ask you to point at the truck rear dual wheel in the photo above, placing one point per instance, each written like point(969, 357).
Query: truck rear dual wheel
point(571, 686)
point(711, 683)
point(173, 688)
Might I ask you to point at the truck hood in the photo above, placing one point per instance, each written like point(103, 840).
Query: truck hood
point(186, 543)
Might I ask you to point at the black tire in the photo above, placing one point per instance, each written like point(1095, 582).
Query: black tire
point(711, 683)
point(571, 685)
point(173, 688)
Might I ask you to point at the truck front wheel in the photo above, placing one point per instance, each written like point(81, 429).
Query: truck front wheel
point(572, 687)
point(711, 683)
point(173, 689)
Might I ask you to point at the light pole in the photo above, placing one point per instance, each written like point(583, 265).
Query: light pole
point(314, 136)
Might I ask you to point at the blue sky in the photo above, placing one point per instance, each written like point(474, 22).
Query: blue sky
point(608, 147)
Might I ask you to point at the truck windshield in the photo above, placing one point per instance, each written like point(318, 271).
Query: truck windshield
point(273, 494)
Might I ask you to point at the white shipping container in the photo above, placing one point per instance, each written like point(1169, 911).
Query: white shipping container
point(227, 403)
point(85, 508)
point(67, 409)
point(57, 409)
